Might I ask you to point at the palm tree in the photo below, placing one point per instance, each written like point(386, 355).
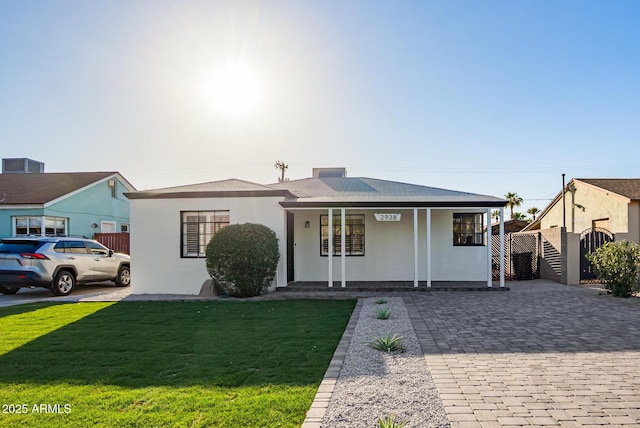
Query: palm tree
point(533, 211)
point(495, 214)
point(519, 216)
point(513, 200)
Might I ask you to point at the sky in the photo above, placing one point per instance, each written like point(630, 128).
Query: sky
point(478, 96)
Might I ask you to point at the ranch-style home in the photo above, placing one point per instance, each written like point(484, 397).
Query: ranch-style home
point(331, 228)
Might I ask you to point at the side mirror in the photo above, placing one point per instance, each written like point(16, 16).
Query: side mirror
point(110, 253)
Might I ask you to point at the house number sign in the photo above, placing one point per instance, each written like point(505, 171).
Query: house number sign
point(388, 216)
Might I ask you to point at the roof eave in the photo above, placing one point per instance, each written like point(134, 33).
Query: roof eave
point(29, 206)
point(394, 204)
point(209, 194)
point(604, 190)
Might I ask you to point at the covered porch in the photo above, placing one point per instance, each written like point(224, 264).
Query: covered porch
point(392, 247)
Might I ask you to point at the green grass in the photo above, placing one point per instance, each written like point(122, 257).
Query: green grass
point(191, 364)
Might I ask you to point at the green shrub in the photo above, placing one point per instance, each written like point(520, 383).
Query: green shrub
point(380, 301)
point(618, 265)
point(387, 343)
point(384, 313)
point(242, 259)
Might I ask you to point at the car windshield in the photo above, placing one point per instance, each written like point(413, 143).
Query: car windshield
point(19, 247)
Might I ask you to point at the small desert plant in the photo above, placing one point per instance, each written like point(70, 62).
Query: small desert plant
point(384, 313)
point(618, 265)
point(387, 343)
point(380, 301)
point(390, 422)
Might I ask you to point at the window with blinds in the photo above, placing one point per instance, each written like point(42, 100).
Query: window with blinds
point(468, 229)
point(53, 226)
point(353, 235)
point(198, 227)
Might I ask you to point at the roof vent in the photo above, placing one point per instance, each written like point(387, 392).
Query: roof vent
point(329, 172)
point(21, 166)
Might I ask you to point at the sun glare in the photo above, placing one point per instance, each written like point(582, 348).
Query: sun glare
point(235, 91)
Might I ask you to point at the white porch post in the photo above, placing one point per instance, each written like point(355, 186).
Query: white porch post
point(489, 242)
point(501, 247)
point(330, 247)
point(343, 258)
point(415, 247)
point(429, 247)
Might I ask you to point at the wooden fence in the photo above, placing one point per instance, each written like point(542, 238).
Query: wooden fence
point(118, 242)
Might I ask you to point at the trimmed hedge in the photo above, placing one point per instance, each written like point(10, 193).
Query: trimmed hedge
point(242, 259)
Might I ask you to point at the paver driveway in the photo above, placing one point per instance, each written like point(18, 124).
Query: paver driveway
point(542, 354)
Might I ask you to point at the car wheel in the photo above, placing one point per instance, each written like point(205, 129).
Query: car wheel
point(9, 290)
point(124, 277)
point(63, 283)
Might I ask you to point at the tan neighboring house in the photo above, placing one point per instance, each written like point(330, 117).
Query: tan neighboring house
point(596, 210)
point(608, 203)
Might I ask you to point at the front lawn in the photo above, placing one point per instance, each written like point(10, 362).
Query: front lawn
point(190, 364)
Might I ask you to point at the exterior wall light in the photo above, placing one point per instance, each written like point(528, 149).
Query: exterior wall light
point(307, 225)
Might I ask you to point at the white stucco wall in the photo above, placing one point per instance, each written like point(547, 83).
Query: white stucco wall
point(451, 263)
point(157, 266)
point(155, 240)
point(389, 249)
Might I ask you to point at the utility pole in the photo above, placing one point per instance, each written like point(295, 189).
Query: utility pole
point(564, 209)
point(282, 167)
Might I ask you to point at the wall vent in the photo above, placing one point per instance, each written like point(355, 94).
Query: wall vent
point(21, 166)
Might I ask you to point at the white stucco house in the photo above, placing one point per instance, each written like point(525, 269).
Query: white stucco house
point(381, 231)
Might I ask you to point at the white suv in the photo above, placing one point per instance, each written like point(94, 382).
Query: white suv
point(59, 264)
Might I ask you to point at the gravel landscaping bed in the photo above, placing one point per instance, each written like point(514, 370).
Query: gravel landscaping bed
point(374, 384)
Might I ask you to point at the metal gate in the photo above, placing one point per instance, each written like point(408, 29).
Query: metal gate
point(591, 240)
point(521, 253)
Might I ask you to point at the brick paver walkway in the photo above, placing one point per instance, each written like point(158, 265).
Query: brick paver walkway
point(542, 354)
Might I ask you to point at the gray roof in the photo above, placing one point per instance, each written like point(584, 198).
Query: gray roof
point(329, 192)
point(362, 191)
point(40, 188)
point(627, 187)
point(214, 189)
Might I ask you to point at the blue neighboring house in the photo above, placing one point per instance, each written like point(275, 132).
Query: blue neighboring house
point(36, 203)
